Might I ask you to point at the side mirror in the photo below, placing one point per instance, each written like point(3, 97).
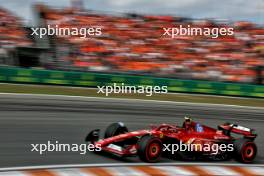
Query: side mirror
point(93, 136)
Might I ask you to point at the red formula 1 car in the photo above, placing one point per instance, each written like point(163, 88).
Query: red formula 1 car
point(191, 141)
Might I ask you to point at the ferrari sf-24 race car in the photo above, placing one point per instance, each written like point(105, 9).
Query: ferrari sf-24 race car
point(166, 140)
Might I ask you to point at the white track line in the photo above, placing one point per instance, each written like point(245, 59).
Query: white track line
point(132, 99)
point(169, 93)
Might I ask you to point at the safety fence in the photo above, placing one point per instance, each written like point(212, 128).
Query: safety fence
point(88, 79)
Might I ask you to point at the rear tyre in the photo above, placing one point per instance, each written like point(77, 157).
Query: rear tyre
point(115, 129)
point(245, 150)
point(149, 149)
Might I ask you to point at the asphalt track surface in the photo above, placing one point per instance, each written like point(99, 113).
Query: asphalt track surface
point(32, 119)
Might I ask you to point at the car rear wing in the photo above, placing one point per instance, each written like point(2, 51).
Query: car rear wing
point(238, 129)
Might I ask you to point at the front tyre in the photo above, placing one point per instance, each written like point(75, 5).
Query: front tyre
point(115, 129)
point(245, 150)
point(149, 149)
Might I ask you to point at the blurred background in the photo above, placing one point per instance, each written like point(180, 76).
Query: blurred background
point(132, 41)
point(132, 51)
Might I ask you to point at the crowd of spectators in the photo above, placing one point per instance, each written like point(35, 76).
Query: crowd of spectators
point(12, 33)
point(134, 44)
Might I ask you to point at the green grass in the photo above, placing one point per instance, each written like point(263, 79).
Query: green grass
point(75, 91)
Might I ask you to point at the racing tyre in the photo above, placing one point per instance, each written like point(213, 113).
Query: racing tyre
point(115, 129)
point(149, 148)
point(245, 150)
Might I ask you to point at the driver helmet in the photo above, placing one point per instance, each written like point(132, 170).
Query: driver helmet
point(187, 122)
point(187, 119)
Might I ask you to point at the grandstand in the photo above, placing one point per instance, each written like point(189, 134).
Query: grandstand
point(12, 35)
point(133, 44)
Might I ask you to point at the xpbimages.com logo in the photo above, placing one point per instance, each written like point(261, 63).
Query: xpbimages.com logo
point(127, 89)
point(59, 147)
point(56, 30)
point(197, 31)
point(190, 147)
